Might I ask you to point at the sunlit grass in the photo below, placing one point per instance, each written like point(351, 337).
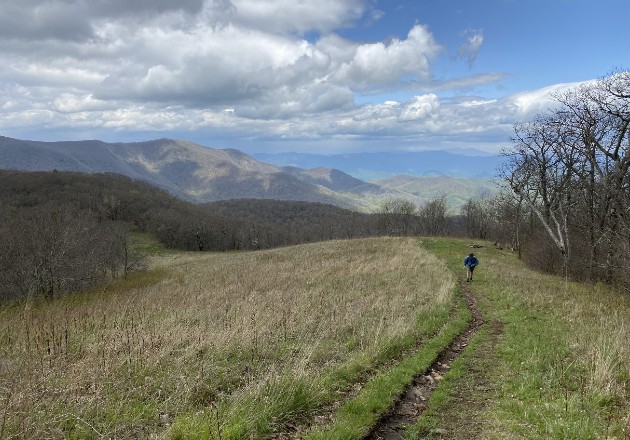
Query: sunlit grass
point(209, 345)
point(562, 363)
point(355, 418)
point(237, 344)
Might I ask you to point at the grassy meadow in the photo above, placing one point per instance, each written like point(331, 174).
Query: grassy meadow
point(317, 340)
point(218, 345)
point(552, 361)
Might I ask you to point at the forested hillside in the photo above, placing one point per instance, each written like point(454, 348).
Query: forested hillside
point(65, 231)
point(300, 221)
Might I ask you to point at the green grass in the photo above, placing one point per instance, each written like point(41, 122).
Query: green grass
point(561, 365)
point(292, 399)
point(354, 418)
point(238, 345)
point(145, 244)
point(445, 407)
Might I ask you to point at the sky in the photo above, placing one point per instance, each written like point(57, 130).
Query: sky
point(320, 76)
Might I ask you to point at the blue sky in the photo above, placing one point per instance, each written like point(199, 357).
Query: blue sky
point(324, 76)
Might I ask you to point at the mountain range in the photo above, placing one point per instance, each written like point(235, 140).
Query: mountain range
point(201, 174)
point(381, 165)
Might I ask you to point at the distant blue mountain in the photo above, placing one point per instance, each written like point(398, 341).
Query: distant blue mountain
point(371, 166)
point(203, 174)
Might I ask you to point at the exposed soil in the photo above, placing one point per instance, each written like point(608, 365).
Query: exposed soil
point(413, 400)
point(462, 418)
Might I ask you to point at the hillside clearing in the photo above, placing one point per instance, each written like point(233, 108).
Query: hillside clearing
point(236, 343)
point(316, 339)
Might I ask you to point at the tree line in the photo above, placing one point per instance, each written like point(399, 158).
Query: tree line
point(64, 231)
point(566, 201)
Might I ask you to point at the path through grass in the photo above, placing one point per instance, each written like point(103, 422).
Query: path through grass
point(552, 362)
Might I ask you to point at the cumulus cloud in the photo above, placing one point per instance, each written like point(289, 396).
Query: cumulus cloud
point(377, 64)
point(420, 107)
point(423, 118)
point(231, 68)
point(209, 65)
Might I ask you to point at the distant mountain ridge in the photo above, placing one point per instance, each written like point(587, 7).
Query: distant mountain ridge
point(202, 174)
point(185, 169)
point(330, 178)
point(455, 191)
point(381, 165)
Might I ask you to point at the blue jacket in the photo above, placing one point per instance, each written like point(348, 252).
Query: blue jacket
point(471, 261)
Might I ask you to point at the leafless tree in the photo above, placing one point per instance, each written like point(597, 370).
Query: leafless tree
point(52, 250)
point(477, 218)
point(433, 217)
point(571, 168)
point(396, 217)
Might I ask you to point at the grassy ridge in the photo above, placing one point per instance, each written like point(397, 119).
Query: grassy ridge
point(235, 345)
point(228, 345)
point(560, 367)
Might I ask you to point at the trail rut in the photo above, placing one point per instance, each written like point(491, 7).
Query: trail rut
point(413, 400)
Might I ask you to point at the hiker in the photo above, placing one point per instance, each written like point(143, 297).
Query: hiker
point(470, 262)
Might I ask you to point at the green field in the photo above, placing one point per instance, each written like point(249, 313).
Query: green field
point(317, 341)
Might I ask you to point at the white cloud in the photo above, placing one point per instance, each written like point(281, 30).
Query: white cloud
point(240, 53)
point(530, 103)
point(374, 65)
point(470, 49)
point(424, 118)
point(420, 107)
point(477, 102)
point(240, 68)
point(376, 113)
point(70, 103)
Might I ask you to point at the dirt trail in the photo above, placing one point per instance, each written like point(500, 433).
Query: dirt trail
point(413, 400)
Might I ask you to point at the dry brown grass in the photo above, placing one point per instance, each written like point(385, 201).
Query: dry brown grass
point(220, 334)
